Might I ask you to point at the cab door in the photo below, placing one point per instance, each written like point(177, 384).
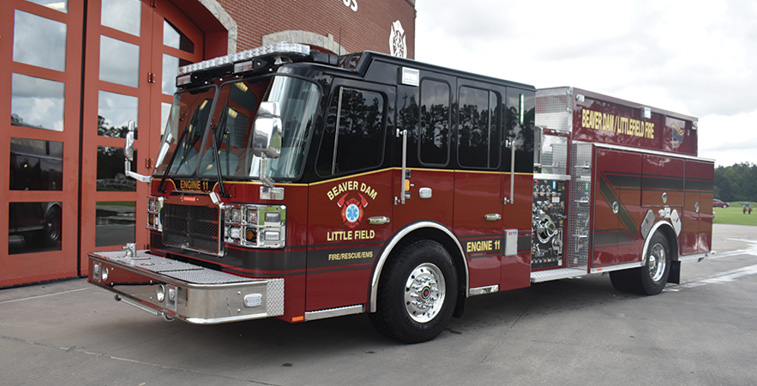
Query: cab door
point(478, 193)
point(424, 123)
point(350, 208)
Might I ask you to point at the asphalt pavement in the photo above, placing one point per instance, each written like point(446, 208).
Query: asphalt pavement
point(568, 332)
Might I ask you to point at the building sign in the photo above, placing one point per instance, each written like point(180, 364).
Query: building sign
point(397, 41)
point(352, 4)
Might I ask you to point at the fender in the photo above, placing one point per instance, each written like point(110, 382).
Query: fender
point(393, 243)
point(652, 231)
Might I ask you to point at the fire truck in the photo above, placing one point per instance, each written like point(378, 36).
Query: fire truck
point(302, 185)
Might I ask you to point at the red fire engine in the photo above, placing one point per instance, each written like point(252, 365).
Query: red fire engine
point(301, 185)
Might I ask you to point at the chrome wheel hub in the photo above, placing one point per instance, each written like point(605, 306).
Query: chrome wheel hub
point(657, 262)
point(425, 291)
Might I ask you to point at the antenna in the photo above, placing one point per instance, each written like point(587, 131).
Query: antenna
point(340, 42)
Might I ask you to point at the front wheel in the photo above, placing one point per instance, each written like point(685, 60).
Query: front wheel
point(417, 293)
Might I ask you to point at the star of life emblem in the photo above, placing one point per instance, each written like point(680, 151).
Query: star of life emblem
point(352, 209)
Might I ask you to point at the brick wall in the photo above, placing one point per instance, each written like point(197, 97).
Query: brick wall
point(368, 28)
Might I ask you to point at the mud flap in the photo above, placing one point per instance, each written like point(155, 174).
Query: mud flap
point(675, 272)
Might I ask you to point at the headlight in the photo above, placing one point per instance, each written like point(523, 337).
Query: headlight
point(235, 215)
point(256, 226)
point(252, 216)
point(234, 233)
point(272, 217)
point(272, 235)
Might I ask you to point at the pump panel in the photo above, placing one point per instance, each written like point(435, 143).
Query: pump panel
point(548, 223)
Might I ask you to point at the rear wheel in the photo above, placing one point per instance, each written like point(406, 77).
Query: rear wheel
point(651, 278)
point(655, 272)
point(417, 293)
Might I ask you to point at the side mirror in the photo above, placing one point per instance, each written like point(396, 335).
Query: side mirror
point(129, 156)
point(266, 142)
point(129, 149)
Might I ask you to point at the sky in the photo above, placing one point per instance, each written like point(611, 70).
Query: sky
point(692, 57)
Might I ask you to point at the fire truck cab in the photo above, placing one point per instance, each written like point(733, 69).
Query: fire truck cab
point(301, 185)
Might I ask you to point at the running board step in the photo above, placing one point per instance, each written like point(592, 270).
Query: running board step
point(556, 274)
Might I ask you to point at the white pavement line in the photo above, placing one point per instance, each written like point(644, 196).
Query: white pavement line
point(722, 277)
point(43, 296)
point(750, 250)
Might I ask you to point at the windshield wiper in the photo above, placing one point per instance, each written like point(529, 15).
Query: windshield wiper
point(216, 158)
point(192, 123)
point(161, 187)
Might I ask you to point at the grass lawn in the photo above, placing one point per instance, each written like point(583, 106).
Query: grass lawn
point(733, 214)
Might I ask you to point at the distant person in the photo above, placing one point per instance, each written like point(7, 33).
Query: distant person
point(746, 208)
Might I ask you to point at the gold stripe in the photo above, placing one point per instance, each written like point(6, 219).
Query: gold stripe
point(353, 176)
point(360, 175)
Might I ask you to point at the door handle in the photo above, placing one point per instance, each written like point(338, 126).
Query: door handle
point(378, 220)
point(492, 217)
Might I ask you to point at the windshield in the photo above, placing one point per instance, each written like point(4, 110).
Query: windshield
point(185, 130)
point(232, 128)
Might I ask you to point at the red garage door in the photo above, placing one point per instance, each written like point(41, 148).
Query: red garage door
point(61, 165)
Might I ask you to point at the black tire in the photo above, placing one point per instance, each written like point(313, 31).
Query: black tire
point(417, 293)
point(52, 230)
point(626, 280)
point(655, 272)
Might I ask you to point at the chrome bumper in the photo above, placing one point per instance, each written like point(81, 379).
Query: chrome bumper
point(175, 289)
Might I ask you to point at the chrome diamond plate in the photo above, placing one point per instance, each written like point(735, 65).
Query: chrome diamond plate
point(206, 276)
point(580, 206)
point(554, 108)
point(275, 299)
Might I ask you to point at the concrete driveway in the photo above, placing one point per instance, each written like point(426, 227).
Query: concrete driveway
point(569, 332)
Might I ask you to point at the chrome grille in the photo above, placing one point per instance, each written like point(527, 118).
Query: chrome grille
point(195, 228)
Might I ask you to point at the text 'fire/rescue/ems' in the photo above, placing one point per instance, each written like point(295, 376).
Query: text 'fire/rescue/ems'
point(350, 255)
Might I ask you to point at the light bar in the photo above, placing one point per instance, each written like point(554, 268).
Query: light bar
point(271, 49)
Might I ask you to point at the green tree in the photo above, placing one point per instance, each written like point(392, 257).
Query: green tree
point(737, 182)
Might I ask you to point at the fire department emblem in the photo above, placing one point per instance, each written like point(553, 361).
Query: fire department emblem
point(397, 41)
point(352, 209)
point(677, 134)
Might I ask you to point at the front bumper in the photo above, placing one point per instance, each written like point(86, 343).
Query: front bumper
point(175, 289)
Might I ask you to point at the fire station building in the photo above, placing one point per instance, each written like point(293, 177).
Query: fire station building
point(76, 72)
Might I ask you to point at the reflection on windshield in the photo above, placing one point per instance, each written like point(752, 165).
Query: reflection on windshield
point(233, 126)
point(185, 131)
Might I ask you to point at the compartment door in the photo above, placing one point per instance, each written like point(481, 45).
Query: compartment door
point(696, 236)
point(617, 210)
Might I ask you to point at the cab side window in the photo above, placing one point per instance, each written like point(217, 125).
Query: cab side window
point(434, 136)
point(353, 139)
point(478, 132)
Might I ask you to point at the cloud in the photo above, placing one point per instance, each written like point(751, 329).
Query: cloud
point(693, 57)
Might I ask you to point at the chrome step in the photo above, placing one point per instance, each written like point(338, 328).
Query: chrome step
point(556, 274)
